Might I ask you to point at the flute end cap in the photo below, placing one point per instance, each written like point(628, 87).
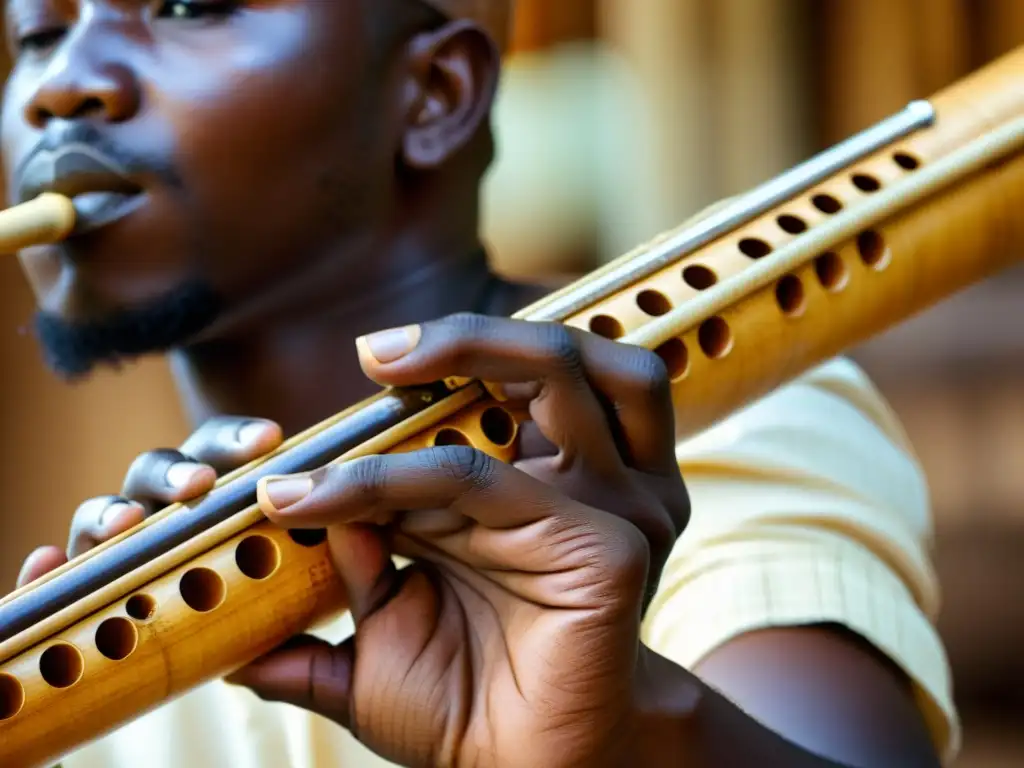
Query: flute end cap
point(48, 218)
point(64, 213)
point(921, 109)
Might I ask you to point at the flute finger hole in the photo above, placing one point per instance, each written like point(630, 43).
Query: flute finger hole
point(257, 557)
point(606, 326)
point(831, 271)
point(117, 638)
point(699, 277)
point(202, 590)
point(140, 607)
point(498, 426)
point(789, 293)
point(866, 183)
point(12, 697)
point(792, 225)
point(676, 358)
point(715, 338)
point(826, 204)
point(872, 249)
point(754, 248)
point(653, 303)
point(449, 436)
point(61, 665)
point(308, 537)
point(906, 161)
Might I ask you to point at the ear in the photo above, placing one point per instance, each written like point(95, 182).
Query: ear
point(453, 79)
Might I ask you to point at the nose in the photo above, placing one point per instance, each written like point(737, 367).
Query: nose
point(82, 82)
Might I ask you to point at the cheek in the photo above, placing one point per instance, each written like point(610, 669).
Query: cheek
point(262, 135)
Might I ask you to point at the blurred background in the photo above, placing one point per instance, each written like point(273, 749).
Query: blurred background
point(618, 119)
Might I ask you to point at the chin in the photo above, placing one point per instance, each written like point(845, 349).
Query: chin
point(92, 277)
point(75, 341)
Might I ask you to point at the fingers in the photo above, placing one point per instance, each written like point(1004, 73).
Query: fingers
point(598, 391)
point(220, 445)
point(40, 562)
point(229, 442)
point(547, 531)
point(102, 518)
point(545, 358)
point(166, 476)
point(375, 488)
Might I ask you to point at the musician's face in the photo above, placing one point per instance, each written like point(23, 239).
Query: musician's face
point(226, 146)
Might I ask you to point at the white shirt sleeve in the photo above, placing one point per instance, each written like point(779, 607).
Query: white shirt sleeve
point(809, 507)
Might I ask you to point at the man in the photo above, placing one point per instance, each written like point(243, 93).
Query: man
point(283, 177)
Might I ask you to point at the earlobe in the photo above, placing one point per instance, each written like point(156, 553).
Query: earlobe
point(452, 84)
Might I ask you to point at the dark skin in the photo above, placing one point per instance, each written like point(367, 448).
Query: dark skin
point(274, 227)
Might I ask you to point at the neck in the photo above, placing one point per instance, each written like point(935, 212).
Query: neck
point(301, 368)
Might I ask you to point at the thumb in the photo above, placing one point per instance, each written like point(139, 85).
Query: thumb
point(310, 673)
point(362, 557)
point(305, 672)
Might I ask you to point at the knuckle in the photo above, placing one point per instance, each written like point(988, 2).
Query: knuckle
point(676, 504)
point(465, 464)
point(365, 479)
point(469, 324)
point(560, 350)
point(655, 520)
point(463, 330)
point(679, 513)
point(661, 537)
point(628, 556)
point(650, 376)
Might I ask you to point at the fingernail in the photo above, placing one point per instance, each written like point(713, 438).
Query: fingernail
point(251, 432)
point(178, 475)
point(283, 492)
point(390, 345)
point(109, 515)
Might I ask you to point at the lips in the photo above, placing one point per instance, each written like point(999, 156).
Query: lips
point(100, 191)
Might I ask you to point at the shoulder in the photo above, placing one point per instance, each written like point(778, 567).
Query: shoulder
point(809, 508)
point(825, 447)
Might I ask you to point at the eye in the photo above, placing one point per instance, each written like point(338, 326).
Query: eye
point(194, 9)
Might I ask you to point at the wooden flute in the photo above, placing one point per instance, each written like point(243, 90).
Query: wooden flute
point(822, 258)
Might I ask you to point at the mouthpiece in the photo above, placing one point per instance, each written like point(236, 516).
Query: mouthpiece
point(48, 218)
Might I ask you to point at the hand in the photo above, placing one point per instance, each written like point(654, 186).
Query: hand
point(156, 479)
point(513, 638)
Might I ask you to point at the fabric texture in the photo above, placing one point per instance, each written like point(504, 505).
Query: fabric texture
point(808, 507)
